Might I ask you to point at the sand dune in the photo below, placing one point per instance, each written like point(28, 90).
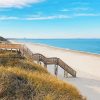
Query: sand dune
point(87, 66)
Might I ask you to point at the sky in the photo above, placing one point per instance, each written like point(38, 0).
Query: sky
point(50, 18)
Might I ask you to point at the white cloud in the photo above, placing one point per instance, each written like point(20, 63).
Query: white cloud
point(40, 17)
point(48, 17)
point(8, 18)
point(87, 14)
point(81, 3)
point(82, 8)
point(77, 9)
point(17, 3)
point(34, 17)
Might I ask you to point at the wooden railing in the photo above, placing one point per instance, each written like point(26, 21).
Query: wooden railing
point(10, 46)
point(40, 58)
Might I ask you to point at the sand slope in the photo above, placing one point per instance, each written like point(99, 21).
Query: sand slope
point(87, 67)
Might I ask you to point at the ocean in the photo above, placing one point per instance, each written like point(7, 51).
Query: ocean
point(85, 45)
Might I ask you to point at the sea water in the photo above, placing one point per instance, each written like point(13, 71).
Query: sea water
point(85, 45)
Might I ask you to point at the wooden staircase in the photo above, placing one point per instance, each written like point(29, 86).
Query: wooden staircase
point(40, 58)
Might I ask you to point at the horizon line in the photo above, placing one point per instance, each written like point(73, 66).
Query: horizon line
point(52, 38)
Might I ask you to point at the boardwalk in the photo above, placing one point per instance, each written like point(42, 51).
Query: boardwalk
point(40, 58)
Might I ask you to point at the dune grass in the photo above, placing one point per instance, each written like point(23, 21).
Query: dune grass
point(21, 79)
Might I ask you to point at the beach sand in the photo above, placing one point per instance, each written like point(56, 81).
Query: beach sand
point(87, 66)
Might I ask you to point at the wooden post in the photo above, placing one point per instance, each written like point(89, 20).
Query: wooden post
point(23, 51)
point(37, 61)
point(45, 65)
point(65, 74)
point(11, 49)
point(56, 70)
point(40, 62)
point(27, 50)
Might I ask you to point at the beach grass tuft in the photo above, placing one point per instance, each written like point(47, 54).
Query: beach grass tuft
point(21, 79)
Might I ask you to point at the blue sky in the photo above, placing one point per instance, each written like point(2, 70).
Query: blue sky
point(50, 18)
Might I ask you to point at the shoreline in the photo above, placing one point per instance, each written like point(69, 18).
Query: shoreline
point(72, 55)
point(77, 51)
point(87, 66)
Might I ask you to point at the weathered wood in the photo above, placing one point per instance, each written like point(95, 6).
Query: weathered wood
point(45, 65)
point(10, 46)
point(56, 70)
point(65, 74)
point(40, 62)
point(40, 58)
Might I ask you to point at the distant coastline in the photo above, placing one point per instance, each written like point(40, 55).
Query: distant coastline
point(78, 45)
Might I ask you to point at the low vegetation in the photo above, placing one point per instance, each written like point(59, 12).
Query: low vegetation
point(3, 40)
point(21, 79)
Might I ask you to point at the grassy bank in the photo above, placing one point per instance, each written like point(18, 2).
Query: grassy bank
point(21, 79)
point(3, 40)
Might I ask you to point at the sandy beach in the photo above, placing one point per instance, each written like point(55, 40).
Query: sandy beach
point(87, 66)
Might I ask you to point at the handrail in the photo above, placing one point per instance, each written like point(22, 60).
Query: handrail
point(10, 46)
point(39, 57)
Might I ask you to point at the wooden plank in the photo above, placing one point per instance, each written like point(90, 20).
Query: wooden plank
point(65, 74)
point(56, 70)
point(10, 46)
point(39, 57)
